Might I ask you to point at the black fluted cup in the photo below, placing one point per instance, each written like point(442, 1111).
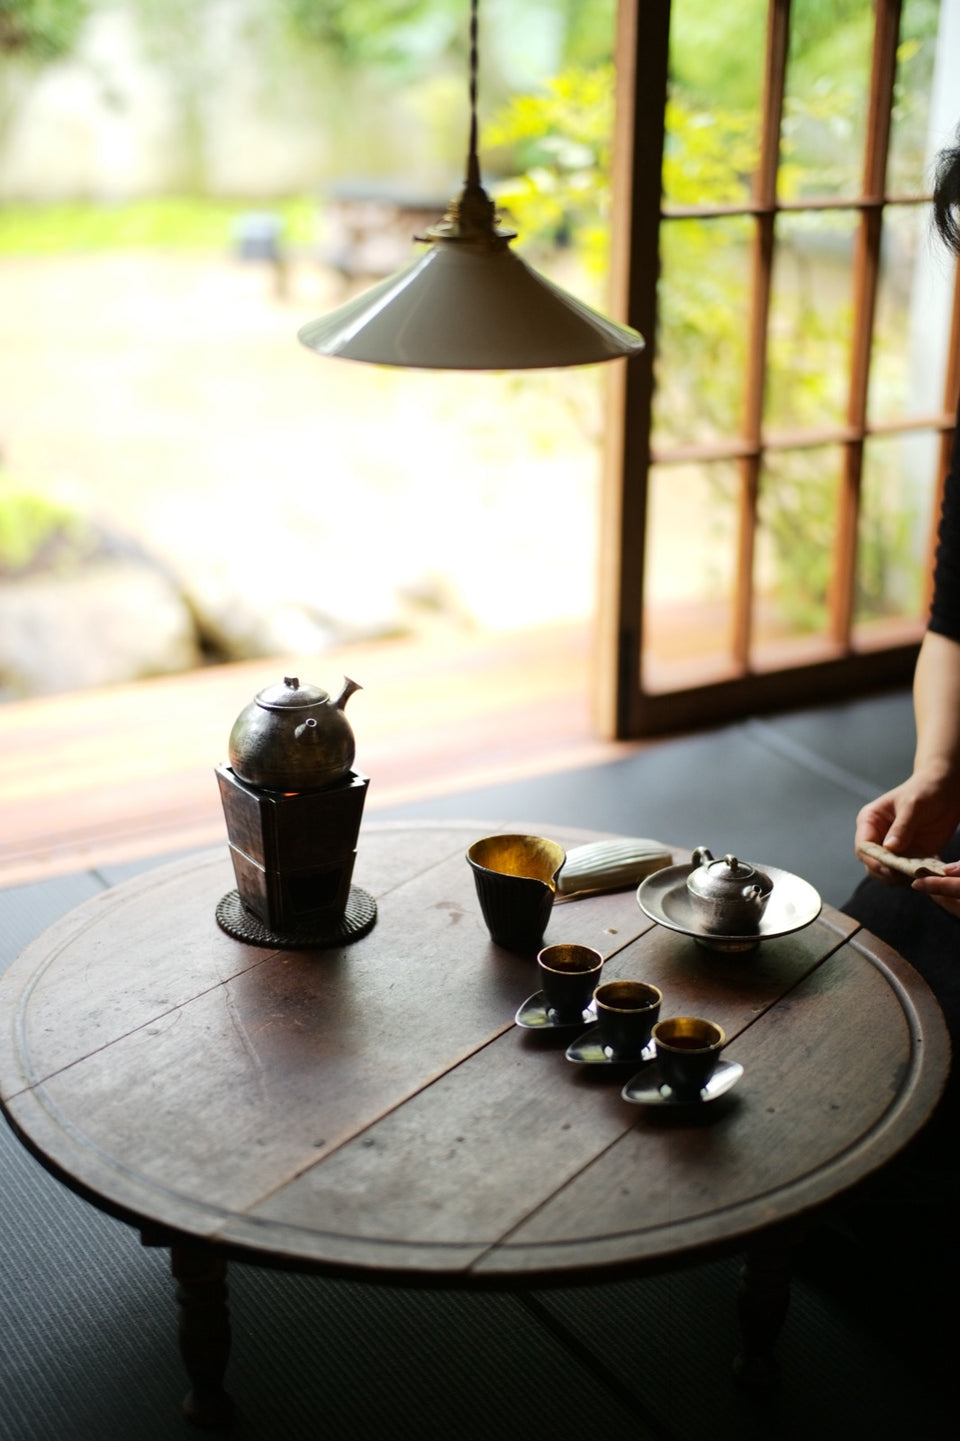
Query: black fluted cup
point(688, 1049)
point(568, 977)
point(516, 880)
point(626, 1014)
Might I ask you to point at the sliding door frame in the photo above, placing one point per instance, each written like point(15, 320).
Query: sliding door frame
point(841, 666)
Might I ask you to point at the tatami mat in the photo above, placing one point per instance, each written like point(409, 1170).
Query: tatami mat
point(673, 1339)
point(784, 791)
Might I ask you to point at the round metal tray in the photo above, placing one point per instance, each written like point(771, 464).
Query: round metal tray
point(793, 904)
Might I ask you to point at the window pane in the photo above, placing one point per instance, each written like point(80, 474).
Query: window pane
point(703, 300)
point(798, 506)
point(713, 112)
point(912, 325)
point(689, 574)
point(827, 93)
point(895, 523)
point(810, 321)
point(908, 155)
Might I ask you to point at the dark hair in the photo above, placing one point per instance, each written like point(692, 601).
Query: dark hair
point(946, 197)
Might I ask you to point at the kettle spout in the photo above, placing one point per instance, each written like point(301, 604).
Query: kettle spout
point(349, 686)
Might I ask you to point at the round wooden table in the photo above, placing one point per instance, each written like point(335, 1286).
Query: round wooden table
point(374, 1110)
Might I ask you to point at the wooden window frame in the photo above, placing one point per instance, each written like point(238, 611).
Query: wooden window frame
point(839, 665)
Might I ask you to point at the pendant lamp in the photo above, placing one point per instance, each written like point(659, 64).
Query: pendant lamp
point(469, 302)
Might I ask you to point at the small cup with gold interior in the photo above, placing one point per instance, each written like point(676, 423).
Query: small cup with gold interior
point(688, 1049)
point(626, 1013)
point(568, 978)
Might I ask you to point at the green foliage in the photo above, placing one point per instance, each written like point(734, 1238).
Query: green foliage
point(798, 514)
point(886, 579)
point(588, 31)
point(40, 30)
point(36, 530)
point(172, 222)
point(709, 155)
point(714, 52)
point(375, 32)
point(397, 34)
point(560, 139)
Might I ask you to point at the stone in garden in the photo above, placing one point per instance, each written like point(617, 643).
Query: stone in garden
point(116, 619)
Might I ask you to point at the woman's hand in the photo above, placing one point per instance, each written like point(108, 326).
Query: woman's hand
point(945, 890)
point(919, 816)
point(916, 818)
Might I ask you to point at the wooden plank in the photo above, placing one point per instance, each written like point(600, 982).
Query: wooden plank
point(811, 1115)
point(126, 771)
point(467, 1159)
point(740, 447)
point(287, 1049)
point(86, 967)
point(642, 49)
point(807, 202)
point(86, 955)
point(822, 676)
point(374, 1105)
point(454, 1168)
point(82, 963)
point(761, 280)
point(866, 278)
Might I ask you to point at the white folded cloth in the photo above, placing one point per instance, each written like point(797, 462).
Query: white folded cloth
point(611, 865)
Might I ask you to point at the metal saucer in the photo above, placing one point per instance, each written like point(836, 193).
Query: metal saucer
point(647, 1089)
point(536, 1015)
point(793, 904)
point(589, 1050)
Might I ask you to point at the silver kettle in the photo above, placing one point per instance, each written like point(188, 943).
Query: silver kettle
point(728, 896)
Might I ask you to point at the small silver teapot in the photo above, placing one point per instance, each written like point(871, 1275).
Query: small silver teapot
point(293, 737)
point(727, 896)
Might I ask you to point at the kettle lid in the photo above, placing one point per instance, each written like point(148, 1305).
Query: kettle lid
point(719, 878)
point(291, 694)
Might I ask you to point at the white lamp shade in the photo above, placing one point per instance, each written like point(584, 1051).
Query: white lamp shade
point(466, 306)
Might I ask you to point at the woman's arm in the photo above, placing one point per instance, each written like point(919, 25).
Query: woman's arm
point(919, 816)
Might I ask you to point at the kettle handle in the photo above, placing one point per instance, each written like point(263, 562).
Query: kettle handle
point(702, 856)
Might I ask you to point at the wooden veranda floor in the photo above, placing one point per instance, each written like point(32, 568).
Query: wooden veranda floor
point(127, 771)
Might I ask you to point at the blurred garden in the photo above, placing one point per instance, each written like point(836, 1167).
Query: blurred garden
point(183, 183)
point(182, 187)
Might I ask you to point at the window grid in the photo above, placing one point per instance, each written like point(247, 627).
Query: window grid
point(837, 666)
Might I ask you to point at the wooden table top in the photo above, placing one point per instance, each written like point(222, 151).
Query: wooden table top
point(375, 1109)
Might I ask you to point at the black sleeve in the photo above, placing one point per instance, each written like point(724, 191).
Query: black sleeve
point(945, 608)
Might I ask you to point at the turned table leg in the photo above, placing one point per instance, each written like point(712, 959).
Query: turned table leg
point(200, 1273)
point(762, 1302)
